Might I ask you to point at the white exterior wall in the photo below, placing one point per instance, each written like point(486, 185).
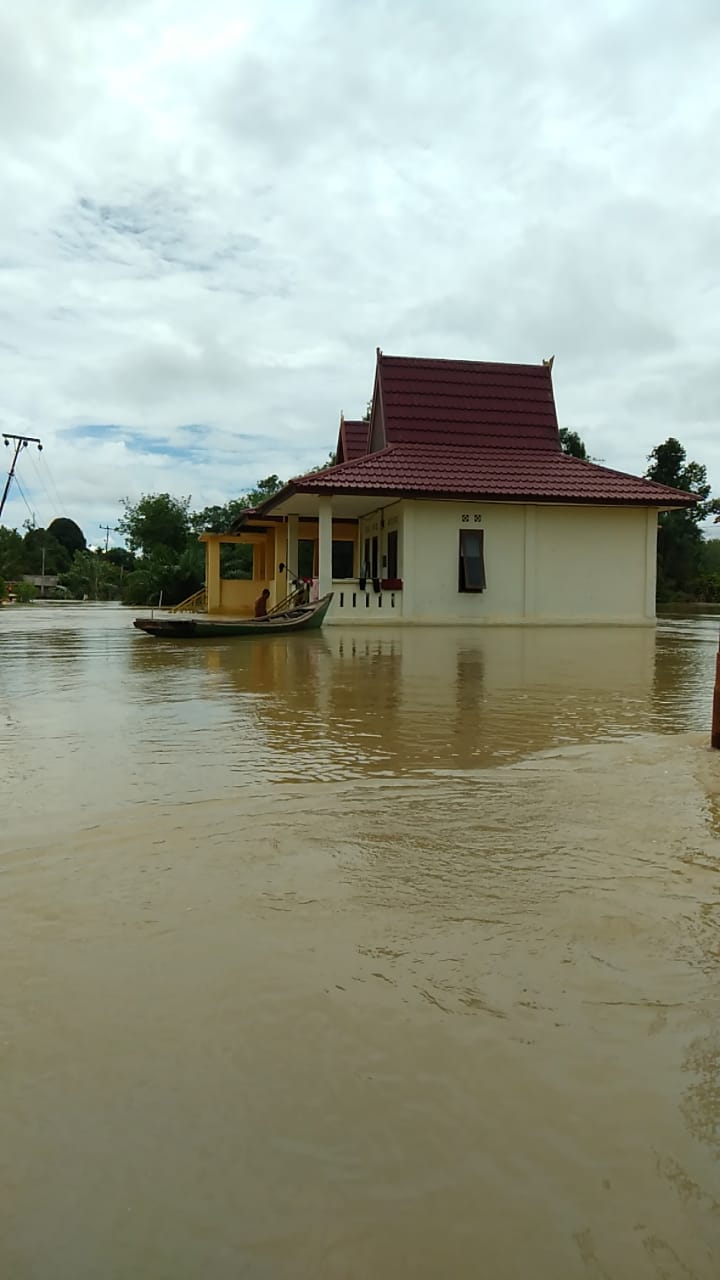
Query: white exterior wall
point(436, 530)
point(592, 564)
point(547, 564)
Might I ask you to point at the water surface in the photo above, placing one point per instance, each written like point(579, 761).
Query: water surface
point(358, 954)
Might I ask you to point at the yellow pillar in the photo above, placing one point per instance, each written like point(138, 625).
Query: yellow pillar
point(259, 557)
point(292, 547)
point(282, 580)
point(271, 563)
point(212, 575)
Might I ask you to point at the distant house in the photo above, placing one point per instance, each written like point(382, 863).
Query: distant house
point(45, 582)
point(456, 504)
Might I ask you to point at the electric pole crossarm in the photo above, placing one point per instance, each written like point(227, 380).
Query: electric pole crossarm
point(21, 442)
point(108, 530)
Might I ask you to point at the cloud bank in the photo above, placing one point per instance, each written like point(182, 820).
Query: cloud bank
point(212, 215)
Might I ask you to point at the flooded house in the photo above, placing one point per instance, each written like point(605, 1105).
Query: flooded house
point(455, 503)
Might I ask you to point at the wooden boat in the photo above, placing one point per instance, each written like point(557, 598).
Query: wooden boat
point(200, 626)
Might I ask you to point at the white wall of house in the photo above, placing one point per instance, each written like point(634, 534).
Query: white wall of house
point(544, 564)
point(595, 563)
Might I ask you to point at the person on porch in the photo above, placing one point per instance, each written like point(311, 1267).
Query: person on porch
point(261, 604)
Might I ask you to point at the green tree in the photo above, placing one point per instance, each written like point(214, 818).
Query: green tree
point(165, 576)
point(42, 552)
point(218, 519)
point(571, 442)
point(680, 538)
point(156, 520)
point(172, 562)
point(263, 490)
point(24, 592)
point(235, 561)
point(122, 558)
point(11, 553)
point(68, 534)
point(708, 582)
point(142, 586)
point(92, 576)
point(3, 589)
point(711, 555)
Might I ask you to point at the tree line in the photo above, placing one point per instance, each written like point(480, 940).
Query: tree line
point(163, 559)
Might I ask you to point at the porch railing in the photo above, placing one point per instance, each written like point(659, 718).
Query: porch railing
point(363, 605)
point(289, 601)
point(196, 603)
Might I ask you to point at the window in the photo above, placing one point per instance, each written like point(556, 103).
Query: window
point(392, 554)
point(305, 557)
point(471, 561)
point(343, 554)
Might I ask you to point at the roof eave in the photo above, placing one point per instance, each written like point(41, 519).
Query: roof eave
point(405, 491)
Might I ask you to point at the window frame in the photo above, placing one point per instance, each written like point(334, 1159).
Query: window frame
point(465, 560)
point(393, 542)
point(346, 543)
point(374, 556)
point(305, 556)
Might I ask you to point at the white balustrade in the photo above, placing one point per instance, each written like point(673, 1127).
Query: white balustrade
point(350, 604)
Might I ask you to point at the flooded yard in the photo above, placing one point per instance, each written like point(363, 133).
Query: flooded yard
point(358, 954)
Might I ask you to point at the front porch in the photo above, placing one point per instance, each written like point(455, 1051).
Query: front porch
point(314, 550)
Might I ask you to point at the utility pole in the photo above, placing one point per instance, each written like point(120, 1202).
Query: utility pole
point(108, 530)
point(21, 442)
point(715, 731)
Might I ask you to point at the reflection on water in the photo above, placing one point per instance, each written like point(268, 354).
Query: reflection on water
point(333, 704)
point(360, 954)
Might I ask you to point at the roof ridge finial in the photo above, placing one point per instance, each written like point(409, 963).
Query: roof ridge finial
point(549, 363)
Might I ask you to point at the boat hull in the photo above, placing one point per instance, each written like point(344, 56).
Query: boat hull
point(308, 617)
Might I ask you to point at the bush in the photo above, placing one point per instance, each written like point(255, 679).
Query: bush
point(708, 588)
point(25, 592)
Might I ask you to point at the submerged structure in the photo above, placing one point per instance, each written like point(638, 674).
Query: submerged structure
point(454, 503)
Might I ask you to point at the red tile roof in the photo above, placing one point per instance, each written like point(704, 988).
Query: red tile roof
point(455, 402)
point(352, 441)
point(471, 430)
point(475, 471)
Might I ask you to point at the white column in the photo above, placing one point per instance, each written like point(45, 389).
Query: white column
point(407, 566)
point(324, 545)
point(292, 549)
point(651, 536)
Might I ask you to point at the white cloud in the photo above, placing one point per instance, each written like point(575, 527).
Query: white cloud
point(214, 214)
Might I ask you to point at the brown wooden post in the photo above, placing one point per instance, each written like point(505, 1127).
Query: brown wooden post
point(715, 731)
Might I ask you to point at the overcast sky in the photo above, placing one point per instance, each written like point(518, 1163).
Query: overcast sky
point(212, 214)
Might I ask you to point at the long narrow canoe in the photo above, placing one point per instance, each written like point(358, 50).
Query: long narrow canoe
point(198, 626)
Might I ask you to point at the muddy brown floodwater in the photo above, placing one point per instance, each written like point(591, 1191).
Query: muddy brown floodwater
point(359, 955)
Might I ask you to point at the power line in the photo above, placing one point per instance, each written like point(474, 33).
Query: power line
point(22, 495)
point(52, 504)
point(51, 478)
